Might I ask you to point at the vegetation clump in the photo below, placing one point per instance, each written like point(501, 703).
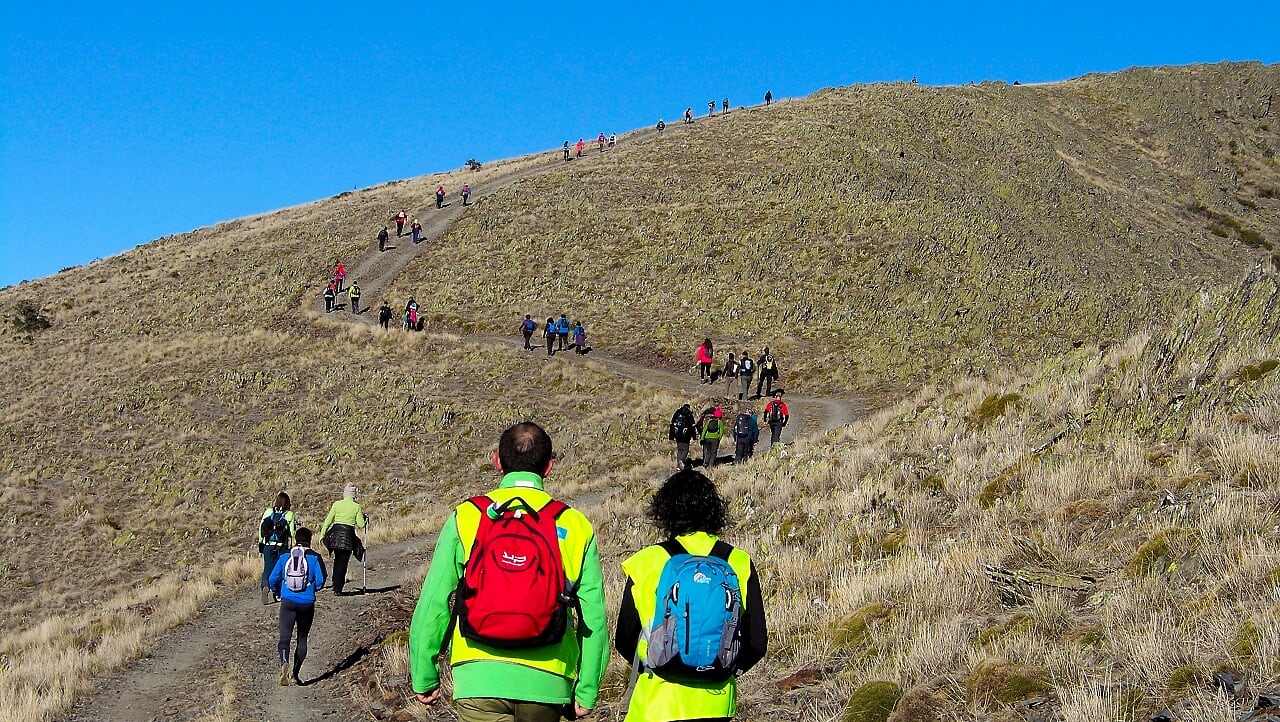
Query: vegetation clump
point(872, 702)
point(854, 631)
point(991, 408)
point(1184, 678)
point(1000, 681)
point(1255, 372)
point(27, 319)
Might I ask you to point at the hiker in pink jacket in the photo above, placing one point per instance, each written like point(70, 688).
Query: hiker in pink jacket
point(705, 359)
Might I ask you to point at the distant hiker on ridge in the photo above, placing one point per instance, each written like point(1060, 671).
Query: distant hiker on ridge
point(383, 235)
point(726, 105)
point(711, 108)
point(776, 416)
point(339, 535)
point(330, 294)
point(566, 151)
point(613, 140)
point(688, 115)
point(768, 372)
point(466, 194)
point(579, 147)
point(768, 97)
point(600, 141)
point(296, 578)
point(549, 333)
point(275, 529)
point(562, 332)
point(353, 293)
point(684, 428)
point(661, 126)
point(416, 229)
point(527, 327)
point(400, 219)
point(711, 430)
point(339, 273)
point(440, 197)
point(746, 369)
point(706, 355)
point(384, 315)
point(579, 339)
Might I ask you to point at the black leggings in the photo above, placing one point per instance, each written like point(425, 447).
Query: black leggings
point(292, 613)
point(340, 559)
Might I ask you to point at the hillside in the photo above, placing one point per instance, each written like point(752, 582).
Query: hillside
point(887, 237)
point(883, 235)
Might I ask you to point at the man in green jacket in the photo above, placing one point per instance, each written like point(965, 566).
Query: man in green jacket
point(495, 681)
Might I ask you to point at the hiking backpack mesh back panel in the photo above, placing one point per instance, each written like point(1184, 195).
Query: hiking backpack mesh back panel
point(296, 572)
point(695, 628)
point(513, 592)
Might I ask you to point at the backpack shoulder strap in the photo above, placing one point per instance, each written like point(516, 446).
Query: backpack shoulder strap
point(721, 550)
point(481, 502)
point(555, 508)
point(673, 547)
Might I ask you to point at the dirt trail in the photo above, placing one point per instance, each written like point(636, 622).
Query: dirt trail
point(230, 645)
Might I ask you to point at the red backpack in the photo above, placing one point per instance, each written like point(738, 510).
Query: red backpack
point(513, 592)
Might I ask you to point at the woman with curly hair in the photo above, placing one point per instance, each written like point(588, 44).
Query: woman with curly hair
point(689, 515)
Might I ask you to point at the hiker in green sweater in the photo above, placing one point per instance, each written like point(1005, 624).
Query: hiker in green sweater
point(515, 650)
point(339, 535)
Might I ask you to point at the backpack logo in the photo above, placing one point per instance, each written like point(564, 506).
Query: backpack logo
point(513, 593)
point(296, 571)
point(695, 628)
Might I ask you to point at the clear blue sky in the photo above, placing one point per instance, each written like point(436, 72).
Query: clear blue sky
point(120, 123)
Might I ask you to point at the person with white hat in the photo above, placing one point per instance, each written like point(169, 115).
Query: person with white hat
point(339, 534)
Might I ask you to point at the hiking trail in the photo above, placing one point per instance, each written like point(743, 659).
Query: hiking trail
point(221, 664)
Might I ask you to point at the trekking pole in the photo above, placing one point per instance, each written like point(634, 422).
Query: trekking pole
point(364, 563)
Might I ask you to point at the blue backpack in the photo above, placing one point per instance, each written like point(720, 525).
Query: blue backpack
point(695, 629)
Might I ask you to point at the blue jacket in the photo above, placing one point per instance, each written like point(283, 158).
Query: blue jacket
point(315, 579)
point(562, 325)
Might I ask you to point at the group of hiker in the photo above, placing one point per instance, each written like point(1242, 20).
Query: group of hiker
point(711, 426)
point(292, 572)
point(335, 288)
point(601, 143)
point(742, 368)
point(415, 227)
point(711, 110)
point(515, 592)
point(557, 332)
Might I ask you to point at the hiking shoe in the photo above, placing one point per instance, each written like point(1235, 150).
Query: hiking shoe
point(266, 596)
point(284, 675)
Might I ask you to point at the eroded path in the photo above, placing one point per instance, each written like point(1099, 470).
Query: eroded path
point(220, 666)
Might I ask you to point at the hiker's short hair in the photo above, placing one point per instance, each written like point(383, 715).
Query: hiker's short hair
point(688, 502)
point(524, 447)
point(303, 536)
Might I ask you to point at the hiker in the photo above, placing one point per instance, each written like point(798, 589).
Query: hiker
point(549, 332)
point(768, 373)
point(578, 147)
point(400, 219)
point(613, 140)
point(668, 681)
point(330, 294)
point(276, 527)
point(383, 235)
point(527, 327)
point(730, 370)
point(562, 332)
point(339, 273)
point(600, 142)
point(416, 229)
point(411, 319)
point(711, 430)
point(384, 315)
point(755, 434)
point(353, 294)
point(706, 354)
point(566, 151)
point(776, 416)
point(711, 108)
point(768, 97)
point(742, 435)
point(579, 339)
point(726, 105)
point(513, 652)
point(295, 579)
point(688, 115)
point(746, 369)
point(466, 194)
point(339, 535)
point(684, 428)
point(440, 197)
point(661, 126)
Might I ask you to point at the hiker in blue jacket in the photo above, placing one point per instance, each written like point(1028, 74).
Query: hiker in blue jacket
point(297, 594)
point(562, 332)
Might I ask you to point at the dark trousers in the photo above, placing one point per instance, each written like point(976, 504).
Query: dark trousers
point(710, 448)
point(563, 337)
point(741, 451)
point(766, 380)
point(328, 304)
point(527, 335)
point(399, 228)
point(704, 370)
point(355, 304)
point(341, 557)
point(300, 615)
point(775, 433)
point(551, 342)
point(270, 555)
point(682, 453)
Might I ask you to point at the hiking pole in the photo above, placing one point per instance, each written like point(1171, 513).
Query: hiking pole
point(364, 563)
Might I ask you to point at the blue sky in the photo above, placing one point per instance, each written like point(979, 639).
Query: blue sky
point(120, 123)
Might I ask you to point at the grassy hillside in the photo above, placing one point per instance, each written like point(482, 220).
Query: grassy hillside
point(878, 237)
point(883, 235)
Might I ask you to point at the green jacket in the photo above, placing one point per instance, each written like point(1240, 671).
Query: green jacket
point(344, 511)
point(520, 674)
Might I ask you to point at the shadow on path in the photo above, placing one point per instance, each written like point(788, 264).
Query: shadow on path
point(346, 663)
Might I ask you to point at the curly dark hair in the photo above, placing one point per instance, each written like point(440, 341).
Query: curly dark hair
point(688, 502)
